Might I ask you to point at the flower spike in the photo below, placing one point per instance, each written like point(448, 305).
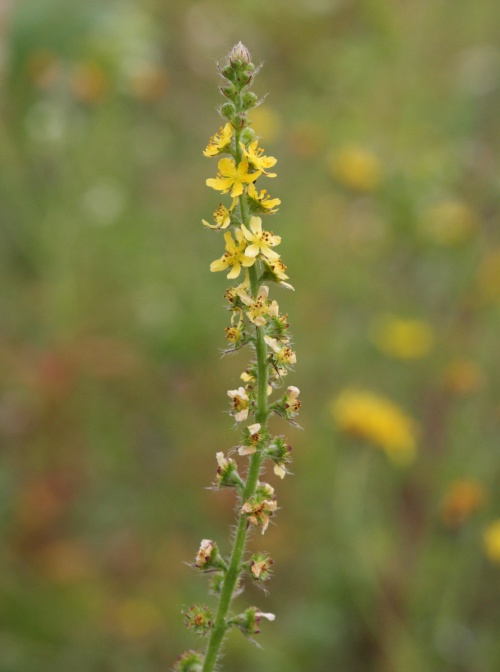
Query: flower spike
point(255, 322)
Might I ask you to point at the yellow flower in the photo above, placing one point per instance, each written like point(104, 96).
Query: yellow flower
point(234, 257)
point(261, 308)
point(260, 241)
point(232, 177)
point(449, 222)
point(204, 555)
point(240, 405)
point(253, 440)
point(403, 338)
point(263, 200)
point(462, 499)
point(276, 272)
point(261, 566)
point(221, 217)
point(234, 333)
point(356, 168)
point(247, 377)
point(284, 353)
point(267, 121)
point(257, 158)
point(378, 420)
point(219, 141)
point(259, 508)
point(292, 402)
point(491, 540)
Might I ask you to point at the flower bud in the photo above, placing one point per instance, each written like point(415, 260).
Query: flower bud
point(241, 120)
point(227, 472)
point(249, 99)
point(247, 135)
point(228, 73)
point(229, 90)
point(278, 451)
point(215, 584)
point(189, 661)
point(199, 619)
point(239, 55)
point(249, 621)
point(228, 111)
point(244, 78)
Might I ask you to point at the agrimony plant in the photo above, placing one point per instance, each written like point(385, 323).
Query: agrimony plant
point(250, 257)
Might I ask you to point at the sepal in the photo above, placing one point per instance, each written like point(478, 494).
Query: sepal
point(189, 661)
point(199, 619)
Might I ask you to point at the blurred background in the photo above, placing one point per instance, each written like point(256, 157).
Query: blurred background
point(384, 117)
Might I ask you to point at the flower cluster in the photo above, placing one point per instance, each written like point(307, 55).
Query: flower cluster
point(250, 256)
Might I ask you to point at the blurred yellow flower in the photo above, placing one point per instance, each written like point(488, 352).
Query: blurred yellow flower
point(378, 420)
point(356, 168)
point(491, 539)
point(449, 222)
point(403, 338)
point(463, 498)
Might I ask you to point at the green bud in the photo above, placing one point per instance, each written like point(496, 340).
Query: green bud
point(228, 110)
point(227, 472)
point(248, 135)
point(244, 78)
point(216, 582)
point(229, 90)
point(228, 73)
point(241, 120)
point(189, 661)
point(249, 100)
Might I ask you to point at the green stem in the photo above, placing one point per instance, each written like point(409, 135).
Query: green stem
point(234, 569)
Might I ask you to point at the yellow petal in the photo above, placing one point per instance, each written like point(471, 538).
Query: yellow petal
point(227, 167)
point(235, 271)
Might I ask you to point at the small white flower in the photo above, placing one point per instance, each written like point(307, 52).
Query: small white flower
point(240, 403)
point(279, 470)
point(261, 614)
point(221, 460)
